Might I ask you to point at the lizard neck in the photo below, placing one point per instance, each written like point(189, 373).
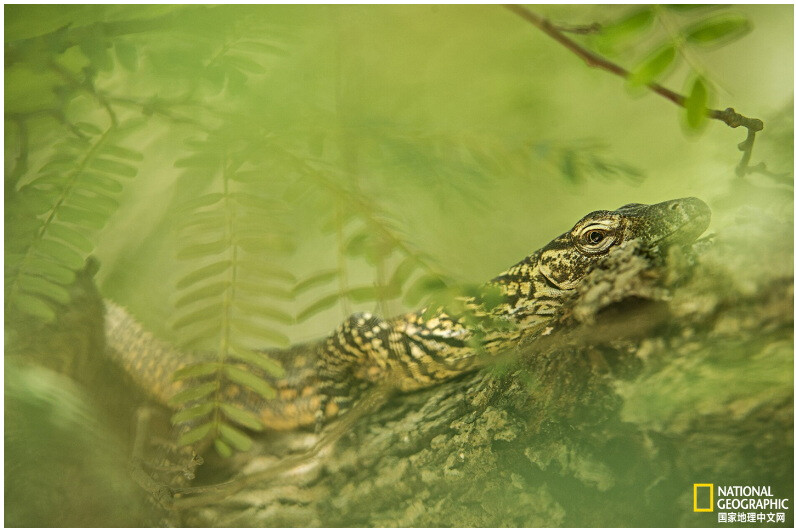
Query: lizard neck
point(529, 297)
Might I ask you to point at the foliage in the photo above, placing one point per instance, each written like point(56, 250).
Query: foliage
point(221, 146)
point(52, 218)
point(673, 34)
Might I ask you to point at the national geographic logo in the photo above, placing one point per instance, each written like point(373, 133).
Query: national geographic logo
point(741, 504)
point(703, 497)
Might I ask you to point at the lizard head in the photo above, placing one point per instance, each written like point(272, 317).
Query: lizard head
point(568, 258)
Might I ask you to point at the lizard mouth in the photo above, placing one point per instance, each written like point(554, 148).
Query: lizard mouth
point(690, 217)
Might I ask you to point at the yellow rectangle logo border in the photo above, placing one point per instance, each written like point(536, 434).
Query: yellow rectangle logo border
point(696, 508)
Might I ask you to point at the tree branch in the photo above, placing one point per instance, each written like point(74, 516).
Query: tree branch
point(728, 116)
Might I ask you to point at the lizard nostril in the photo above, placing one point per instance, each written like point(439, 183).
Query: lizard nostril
point(674, 206)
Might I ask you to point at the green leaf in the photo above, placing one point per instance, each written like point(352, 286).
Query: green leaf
point(653, 66)
point(195, 370)
point(256, 202)
point(258, 331)
point(34, 306)
point(193, 393)
point(62, 253)
point(70, 150)
point(203, 273)
point(357, 244)
point(317, 307)
point(402, 273)
point(696, 104)
point(196, 434)
point(315, 280)
point(222, 448)
point(44, 287)
point(70, 236)
point(202, 336)
point(241, 417)
point(75, 144)
point(205, 292)
point(251, 381)
point(272, 313)
point(430, 311)
point(202, 201)
point(569, 167)
point(51, 270)
point(234, 437)
point(278, 242)
point(99, 183)
point(718, 30)
point(249, 176)
point(114, 167)
point(93, 202)
point(88, 127)
point(70, 156)
point(203, 250)
point(362, 294)
point(266, 270)
point(213, 312)
point(258, 359)
point(264, 243)
point(422, 287)
point(194, 412)
point(37, 200)
point(267, 290)
point(491, 297)
point(62, 165)
point(201, 221)
point(122, 152)
point(627, 27)
point(82, 217)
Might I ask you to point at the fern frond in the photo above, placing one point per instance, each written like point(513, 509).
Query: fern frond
point(231, 299)
point(73, 196)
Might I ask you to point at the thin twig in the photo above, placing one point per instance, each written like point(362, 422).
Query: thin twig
point(60, 117)
point(88, 87)
point(155, 107)
point(728, 116)
point(584, 29)
point(780, 177)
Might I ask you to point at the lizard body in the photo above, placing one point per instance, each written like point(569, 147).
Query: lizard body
point(414, 350)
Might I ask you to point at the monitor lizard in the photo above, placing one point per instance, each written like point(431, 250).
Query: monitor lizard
point(418, 349)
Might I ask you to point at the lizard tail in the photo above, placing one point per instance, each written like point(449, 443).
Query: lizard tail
point(149, 362)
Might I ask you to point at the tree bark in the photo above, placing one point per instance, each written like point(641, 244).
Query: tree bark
point(608, 420)
point(654, 377)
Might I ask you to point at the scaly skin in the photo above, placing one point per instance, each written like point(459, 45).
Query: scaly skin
point(410, 351)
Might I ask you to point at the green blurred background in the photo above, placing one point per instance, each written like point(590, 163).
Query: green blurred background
point(466, 126)
point(458, 134)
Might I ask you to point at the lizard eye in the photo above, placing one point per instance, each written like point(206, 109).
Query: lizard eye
point(596, 238)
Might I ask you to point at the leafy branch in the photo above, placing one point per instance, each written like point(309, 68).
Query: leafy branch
point(694, 104)
point(225, 299)
point(73, 196)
